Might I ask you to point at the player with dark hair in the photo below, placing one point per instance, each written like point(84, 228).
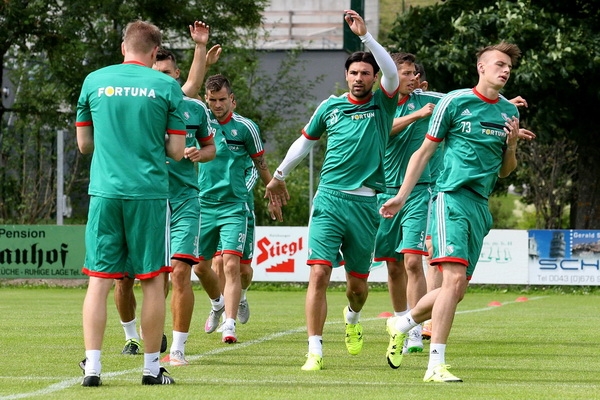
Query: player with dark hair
point(224, 202)
point(183, 198)
point(344, 217)
point(401, 240)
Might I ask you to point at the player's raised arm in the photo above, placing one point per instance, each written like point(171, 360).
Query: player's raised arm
point(389, 79)
point(199, 32)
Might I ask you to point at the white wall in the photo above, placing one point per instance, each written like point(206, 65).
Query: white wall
point(311, 24)
point(281, 253)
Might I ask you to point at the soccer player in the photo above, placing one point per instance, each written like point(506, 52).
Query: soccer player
point(401, 240)
point(246, 271)
point(433, 275)
point(185, 207)
point(480, 128)
point(185, 211)
point(126, 233)
point(223, 199)
point(344, 216)
point(420, 78)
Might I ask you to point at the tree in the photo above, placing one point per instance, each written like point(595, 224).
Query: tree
point(558, 74)
point(24, 151)
point(554, 164)
point(48, 47)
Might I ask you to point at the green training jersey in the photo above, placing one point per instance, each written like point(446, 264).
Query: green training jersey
point(224, 178)
point(357, 134)
point(473, 129)
point(183, 174)
point(252, 178)
point(436, 163)
point(130, 107)
point(401, 146)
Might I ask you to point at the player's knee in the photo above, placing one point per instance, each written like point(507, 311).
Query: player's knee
point(457, 283)
point(180, 276)
point(395, 269)
point(320, 275)
point(201, 268)
point(413, 265)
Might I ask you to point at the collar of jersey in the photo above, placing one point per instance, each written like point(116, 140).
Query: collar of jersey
point(226, 120)
point(351, 100)
point(134, 62)
point(482, 97)
point(403, 100)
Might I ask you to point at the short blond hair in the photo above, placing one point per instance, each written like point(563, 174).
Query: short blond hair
point(511, 50)
point(141, 37)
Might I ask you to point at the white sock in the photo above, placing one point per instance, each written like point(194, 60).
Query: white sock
point(400, 313)
point(315, 345)
point(129, 328)
point(151, 363)
point(230, 323)
point(243, 296)
point(217, 304)
point(92, 362)
point(179, 340)
point(405, 323)
point(352, 317)
point(437, 355)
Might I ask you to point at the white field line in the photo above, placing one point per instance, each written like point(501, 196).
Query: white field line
point(66, 383)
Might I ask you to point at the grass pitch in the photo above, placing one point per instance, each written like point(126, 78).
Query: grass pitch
point(542, 348)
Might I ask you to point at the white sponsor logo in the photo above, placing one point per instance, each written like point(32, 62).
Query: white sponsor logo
point(118, 91)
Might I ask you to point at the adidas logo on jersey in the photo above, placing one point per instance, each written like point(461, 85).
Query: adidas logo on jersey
point(466, 112)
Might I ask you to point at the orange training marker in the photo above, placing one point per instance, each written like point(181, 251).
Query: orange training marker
point(385, 314)
point(495, 304)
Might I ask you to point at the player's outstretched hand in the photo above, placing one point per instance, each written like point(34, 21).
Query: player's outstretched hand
point(519, 102)
point(277, 192)
point(391, 207)
point(355, 22)
point(526, 134)
point(213, 54)
point(512, 131)
point(275, 212)
point(199, 32)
